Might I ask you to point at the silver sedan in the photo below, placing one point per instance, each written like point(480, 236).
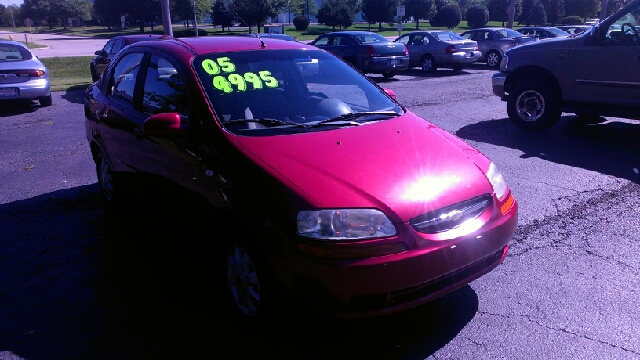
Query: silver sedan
point(439, 48)
point(22, 75)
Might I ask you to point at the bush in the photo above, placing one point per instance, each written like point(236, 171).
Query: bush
point(477, 16)
point(301, 23)
point(448, 16)
point(573, 20)
point(189, 33)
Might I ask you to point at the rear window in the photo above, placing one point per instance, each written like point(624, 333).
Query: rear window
point(11, 52)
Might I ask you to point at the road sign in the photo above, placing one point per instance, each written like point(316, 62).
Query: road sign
point(400, 10)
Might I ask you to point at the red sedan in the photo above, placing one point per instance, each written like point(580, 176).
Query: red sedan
point(303, 173)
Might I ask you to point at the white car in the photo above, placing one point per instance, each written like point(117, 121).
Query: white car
point(22, 75)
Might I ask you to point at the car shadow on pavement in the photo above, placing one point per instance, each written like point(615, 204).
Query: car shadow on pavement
point(610, 148)
point(75, 94)
point(17, 107)
point(81, 282)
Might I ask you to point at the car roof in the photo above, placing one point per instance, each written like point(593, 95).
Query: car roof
point(12, 42)
point(190, 46)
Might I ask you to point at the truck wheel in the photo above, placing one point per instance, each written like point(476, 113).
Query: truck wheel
point(533, 105)
point(389, 74)
point(493, 59)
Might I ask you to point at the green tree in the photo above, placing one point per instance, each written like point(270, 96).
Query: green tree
point(583, 8)
point(183, 9)
point(448, 16)
point(555, 11)
point(537, 16)
point(222, 15)
point(418, 9)
point(477, 16)
point(498, 10)
point(256, 12)
point(338, 12)
point(299, 7)
point(378, 11)
point(527, 5)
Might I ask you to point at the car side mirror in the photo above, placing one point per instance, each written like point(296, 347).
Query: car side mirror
point(98, 52)
point(166, 125)
point(390, 93)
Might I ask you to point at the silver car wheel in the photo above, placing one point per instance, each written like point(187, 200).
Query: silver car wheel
point(427, 64)
point(243, 280)
point(104, 177)
point(493, 59)
point(530, 105)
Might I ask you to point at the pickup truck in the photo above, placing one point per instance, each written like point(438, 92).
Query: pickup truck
point(593, 74)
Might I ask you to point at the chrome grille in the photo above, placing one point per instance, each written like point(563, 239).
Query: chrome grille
point(450, 217)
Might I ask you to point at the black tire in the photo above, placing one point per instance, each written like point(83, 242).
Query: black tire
point(45, 101)
point(493, 59)
point(587, 118)
point(110, 191)
point(94, 73)
point(428, 63)
point(389, 74)
point(533, 105)
point(250, 280)
point(457, 68)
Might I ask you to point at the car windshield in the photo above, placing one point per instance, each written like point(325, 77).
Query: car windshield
point(294, 89)
point(11, 52)
point(509, 33)
point(446, 35)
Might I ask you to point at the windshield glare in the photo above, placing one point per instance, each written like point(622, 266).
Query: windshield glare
point(293, 86)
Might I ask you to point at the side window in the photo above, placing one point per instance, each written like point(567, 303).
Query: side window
point(164, 89)
point(124, 77)
point(117, 46)
point(322, 41)
point(404, 39)
point(626, 28)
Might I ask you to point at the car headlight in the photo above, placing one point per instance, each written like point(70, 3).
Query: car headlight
point(344, 224)
point(504, 63)
point(497, 181)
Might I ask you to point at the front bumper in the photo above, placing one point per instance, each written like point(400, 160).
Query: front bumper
point(497, 83)
point(386, 284)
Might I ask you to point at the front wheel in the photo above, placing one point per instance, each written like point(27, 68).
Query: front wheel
point(109, 190)
point(493, 59)
point(533, 105)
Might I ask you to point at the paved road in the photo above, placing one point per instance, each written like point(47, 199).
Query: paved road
point(79, 282)
point(58, 45)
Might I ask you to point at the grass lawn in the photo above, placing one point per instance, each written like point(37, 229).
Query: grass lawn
point(68, 73)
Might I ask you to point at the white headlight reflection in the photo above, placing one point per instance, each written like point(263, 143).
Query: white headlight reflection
point(429, 187)
point(344, 224)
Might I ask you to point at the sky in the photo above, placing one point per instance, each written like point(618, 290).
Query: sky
point(11, 2)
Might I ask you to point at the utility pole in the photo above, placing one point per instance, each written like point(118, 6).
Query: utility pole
point(195, 17)
point(166, 18)
point(13, 22)
point(308, 15)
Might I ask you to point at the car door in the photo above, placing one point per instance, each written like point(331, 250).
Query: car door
point(416, 46)
point(606, 68)
point(168, 168)
point(114, 110)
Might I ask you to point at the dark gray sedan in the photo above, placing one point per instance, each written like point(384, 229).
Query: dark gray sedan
point(439, 48)
point(366, 51)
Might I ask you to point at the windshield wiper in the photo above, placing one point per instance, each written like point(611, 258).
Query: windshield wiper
point(349, 118)
point(268, 121)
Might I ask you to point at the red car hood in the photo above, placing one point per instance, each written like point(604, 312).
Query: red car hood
point(403, 166)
